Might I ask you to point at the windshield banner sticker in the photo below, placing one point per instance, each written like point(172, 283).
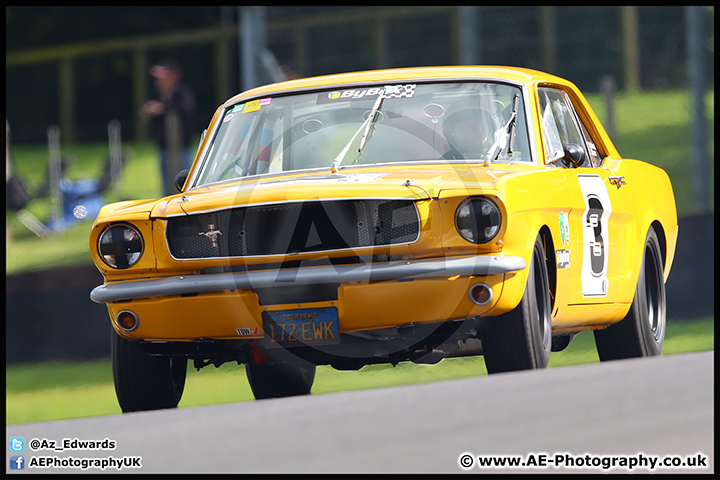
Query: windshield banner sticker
point(399, 91)
point(388, 91)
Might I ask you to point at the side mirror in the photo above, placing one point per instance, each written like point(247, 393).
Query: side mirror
point(180, 179)
point(574, 154)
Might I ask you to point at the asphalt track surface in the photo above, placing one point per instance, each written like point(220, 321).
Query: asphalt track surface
point(641, 408)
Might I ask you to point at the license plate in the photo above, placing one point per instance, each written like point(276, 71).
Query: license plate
point(310, 326)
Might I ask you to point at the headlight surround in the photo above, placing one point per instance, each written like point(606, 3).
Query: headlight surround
point(120, 246)
point(478, 219)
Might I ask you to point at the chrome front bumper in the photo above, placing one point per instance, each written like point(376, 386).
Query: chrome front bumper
point(216, 282)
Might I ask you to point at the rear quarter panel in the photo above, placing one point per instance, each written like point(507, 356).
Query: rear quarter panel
point(651, 199)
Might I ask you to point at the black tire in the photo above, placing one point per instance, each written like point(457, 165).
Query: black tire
point(283, 375)
point(642, 332)
point(521, 339)
point(144, 382)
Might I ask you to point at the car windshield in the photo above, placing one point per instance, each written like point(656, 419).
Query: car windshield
point(334, 129)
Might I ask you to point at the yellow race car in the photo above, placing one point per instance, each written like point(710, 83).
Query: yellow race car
point(387, 216)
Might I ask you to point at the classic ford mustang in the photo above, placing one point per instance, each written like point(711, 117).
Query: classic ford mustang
point(387, 216)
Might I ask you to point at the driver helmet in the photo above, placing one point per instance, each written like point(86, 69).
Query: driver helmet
point(470, 131)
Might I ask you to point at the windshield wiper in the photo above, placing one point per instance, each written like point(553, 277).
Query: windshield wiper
point(513, 119)
point(369, 122)
point(508, 130)
point(373, 117)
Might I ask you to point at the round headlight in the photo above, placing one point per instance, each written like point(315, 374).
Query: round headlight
point(477, 220)
point(120, 246)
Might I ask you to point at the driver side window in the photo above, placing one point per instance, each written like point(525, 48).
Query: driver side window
point(559, 126)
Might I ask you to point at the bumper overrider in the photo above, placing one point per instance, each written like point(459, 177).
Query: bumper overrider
point(217, 282)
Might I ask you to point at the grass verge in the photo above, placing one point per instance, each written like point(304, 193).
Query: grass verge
point(54, 391)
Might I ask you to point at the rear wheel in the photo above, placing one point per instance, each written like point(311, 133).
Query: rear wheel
point(282, 374)
point(521, 339)
point(642, 332)
point(144, 382)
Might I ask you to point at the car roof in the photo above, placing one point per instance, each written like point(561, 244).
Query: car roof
point(522, 75)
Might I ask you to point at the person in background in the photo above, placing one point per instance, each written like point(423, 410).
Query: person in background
point(173, 96)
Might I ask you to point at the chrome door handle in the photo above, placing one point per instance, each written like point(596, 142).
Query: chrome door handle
point(618, 181)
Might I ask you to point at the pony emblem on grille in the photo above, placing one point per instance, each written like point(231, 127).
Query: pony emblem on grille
point(212, 234)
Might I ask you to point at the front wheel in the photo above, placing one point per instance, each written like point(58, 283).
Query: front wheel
point(642, 332)
point(521, 339)
point(144, 382)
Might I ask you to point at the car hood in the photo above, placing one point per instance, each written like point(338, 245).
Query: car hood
point(128, 210)
point(416, 184)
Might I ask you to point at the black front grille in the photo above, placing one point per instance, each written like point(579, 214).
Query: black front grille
point(293, 228)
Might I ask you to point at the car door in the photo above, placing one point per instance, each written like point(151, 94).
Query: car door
point(596, 221)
